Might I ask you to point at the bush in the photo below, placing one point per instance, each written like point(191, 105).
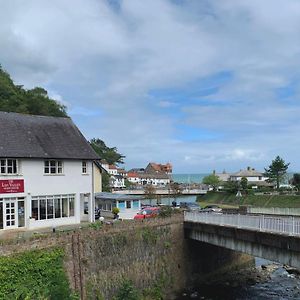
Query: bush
point(165, 211)
point(127, 291)
point(96, 225)
point(115, 210)
point(34, 275)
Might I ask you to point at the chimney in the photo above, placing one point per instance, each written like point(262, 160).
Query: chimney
point(248, 168)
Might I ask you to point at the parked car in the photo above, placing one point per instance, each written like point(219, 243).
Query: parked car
point(147, 212)
point(212, 208)
point(189, 206)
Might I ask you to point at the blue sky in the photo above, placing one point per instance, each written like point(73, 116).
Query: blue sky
point(203, 84)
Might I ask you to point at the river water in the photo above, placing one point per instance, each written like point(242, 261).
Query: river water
point(280, 286)
point(169, 200)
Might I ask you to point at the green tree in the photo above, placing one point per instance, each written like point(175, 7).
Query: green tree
point(276, 171)
point(244, 183)
point(111, 155)
point(106, 182)
point(14, 98)
point(231, 186)
point(296, 180)
point(127, 183)
point(212, 180)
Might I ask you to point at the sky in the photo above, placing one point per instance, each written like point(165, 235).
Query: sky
point(203, 84)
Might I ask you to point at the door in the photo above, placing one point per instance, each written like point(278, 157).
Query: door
point(10, 213)
point(84, 207)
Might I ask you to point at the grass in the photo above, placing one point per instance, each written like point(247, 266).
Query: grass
point(230, 200)
point(222, 205)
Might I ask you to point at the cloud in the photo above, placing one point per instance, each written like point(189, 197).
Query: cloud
point(225, 68)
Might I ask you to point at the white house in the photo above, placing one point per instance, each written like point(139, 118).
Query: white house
point(117, 181)
point(47, 172)
point(159, 180)
point(251, 174)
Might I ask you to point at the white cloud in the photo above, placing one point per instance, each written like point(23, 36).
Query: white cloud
point(103, 62)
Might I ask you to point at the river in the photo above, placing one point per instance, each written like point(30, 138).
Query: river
point(169, 200)
point(280, 286)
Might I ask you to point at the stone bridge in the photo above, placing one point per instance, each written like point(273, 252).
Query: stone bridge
point(276, 238)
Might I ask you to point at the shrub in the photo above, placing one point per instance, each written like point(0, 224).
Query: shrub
point(115, 210)
point(127, 291)
point(34, 275)
point(165, 211)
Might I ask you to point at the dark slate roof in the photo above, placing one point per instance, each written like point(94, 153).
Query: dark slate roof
point(28, 136)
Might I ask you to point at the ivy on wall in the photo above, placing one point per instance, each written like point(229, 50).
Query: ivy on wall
point(37, 275)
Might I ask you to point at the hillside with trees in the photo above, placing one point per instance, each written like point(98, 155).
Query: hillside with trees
point(15, 98)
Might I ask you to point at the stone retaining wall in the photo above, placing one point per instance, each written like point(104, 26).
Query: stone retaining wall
point(150, 253)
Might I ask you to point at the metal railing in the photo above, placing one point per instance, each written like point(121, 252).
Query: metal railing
point(286, 225)
point(274, 211)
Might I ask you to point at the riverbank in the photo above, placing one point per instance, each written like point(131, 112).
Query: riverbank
point(230, 199)
point(264, 280)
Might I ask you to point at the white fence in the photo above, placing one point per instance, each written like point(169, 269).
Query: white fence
point(286, 225)
point(274, 211)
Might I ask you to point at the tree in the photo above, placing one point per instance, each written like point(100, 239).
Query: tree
point(127, 183)
point(175, 188)
point(14, 98)
point(276, 171)
point(149, 191)
point(111, 155)
point(244, 183)
point(212, 180)
point(296, 180)
point(106, 182)
point(231, 186)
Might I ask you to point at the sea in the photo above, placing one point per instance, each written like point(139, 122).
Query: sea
point(189, 178)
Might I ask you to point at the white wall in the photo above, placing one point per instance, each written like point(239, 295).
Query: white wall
point(250, 178)
point(36, 183)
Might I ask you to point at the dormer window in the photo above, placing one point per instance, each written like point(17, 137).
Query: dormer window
point(8, 166)
point(53, 167)
point(84, 167)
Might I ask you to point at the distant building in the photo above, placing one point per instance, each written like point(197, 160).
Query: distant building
point(48, 172)
point(159, 168)
point(224, 176)
point(250, 174)
point(253, 177)
point(122, 172)
point(117, 181)
point(154, 174)
point(128, 205)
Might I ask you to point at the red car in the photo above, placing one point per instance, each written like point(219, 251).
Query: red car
point(147, 212)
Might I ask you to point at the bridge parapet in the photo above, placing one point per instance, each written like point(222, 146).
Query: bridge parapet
point(280, 224)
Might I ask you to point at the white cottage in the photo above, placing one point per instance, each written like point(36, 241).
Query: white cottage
point(47, 172)
point(128, 205)
point(250, 174)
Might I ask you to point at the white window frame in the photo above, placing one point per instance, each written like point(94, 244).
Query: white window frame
point(84, 167)
point(53, 165)
point(69, 197)
point(4, 165)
